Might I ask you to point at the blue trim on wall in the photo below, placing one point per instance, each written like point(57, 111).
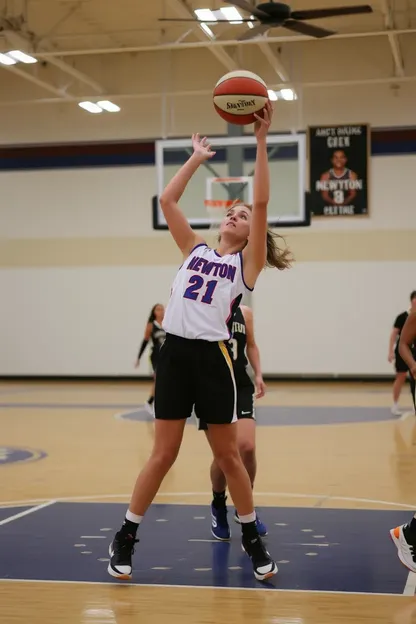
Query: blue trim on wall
point(383, 143)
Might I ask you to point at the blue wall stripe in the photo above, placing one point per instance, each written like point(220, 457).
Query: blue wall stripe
point(392, 142)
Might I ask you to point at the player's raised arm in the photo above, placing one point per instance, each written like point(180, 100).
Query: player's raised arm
point(184, 236)
point(407, 337)
point(255, 253)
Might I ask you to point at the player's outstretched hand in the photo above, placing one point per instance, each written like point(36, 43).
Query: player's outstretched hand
point(201, 147)
point(262, 125)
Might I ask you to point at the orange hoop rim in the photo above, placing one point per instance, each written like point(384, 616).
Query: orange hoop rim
point(218, 203)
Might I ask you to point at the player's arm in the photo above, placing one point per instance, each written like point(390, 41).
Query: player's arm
point(184, 236)
point(255, 252)
point(407, 337)
point(145, 342)
point(253, 353)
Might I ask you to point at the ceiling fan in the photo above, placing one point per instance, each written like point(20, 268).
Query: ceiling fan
point(274, 14)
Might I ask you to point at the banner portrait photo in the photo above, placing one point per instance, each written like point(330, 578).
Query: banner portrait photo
point(339, 170)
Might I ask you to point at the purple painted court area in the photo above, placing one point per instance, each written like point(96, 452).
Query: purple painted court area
point(317, 549)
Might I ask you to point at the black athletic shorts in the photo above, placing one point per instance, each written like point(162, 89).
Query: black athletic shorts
point(413, 389)
point(195, 373)
point(399, 363)
point(245, 405)
point(153, 360)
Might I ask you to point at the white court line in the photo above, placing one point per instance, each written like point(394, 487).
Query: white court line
point(93, 537)
point(246, 589)
point(26, 512)
point(410, 587)
point(328, 498)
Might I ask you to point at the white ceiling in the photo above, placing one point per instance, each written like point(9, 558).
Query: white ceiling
point(118, 48)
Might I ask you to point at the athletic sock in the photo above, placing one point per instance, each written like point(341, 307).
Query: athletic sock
point(218, 499)
point(249, 526)
point(131, 524)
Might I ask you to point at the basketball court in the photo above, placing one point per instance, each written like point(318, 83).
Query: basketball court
point(84, 255)
point(335, 474)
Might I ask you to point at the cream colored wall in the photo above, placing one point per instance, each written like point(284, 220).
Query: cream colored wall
point(80, 267)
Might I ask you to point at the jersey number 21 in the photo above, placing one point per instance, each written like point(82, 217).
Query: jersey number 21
point(196, 283)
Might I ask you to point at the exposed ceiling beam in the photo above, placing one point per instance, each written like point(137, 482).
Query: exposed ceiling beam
point(274, 61)
point(37, 81)
point(203, 92)
point(222, 44)
point(18, 41)
point(393, 40)
point(182, 10)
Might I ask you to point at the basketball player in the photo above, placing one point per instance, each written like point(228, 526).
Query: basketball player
point(394, 355)
point(404, 536)
point(194, 366)
point(339, 172)
point(242, 343)
point(154, 332)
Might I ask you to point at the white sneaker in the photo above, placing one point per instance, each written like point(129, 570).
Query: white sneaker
point(405, 542)
point(395, 411)
point(149, 408)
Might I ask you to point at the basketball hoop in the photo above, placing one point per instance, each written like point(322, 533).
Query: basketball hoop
point(216, 209)
point(232, 189)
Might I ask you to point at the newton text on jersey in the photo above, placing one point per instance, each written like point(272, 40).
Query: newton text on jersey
point(217, 269)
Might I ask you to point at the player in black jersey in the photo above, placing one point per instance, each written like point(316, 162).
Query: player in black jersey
point(155, 333)
point(394, 355)
point(404, 536)
point(242, 346)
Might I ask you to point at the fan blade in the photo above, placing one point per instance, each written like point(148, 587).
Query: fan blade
point(197, 21)
point(317, 13)
point(246, 6)
point(306, 29)
point(253, 32)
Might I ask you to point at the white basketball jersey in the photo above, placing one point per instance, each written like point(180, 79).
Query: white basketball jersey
point(205, 294)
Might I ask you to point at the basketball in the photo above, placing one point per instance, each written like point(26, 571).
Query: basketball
point(238, 95)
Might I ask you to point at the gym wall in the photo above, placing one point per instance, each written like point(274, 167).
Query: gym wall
point(81, 267)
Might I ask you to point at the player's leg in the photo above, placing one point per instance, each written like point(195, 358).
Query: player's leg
point(401, 374)
point(173, 404)
point(216, 406)
point(246, 436)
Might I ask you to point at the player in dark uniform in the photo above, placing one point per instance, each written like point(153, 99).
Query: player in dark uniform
point(394, 355)
point(242, 346)
point(404, 536)
point(338, 174)
point(155, 333)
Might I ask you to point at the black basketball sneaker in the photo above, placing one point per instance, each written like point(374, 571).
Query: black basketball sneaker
point(121, 551)
point(263, 565)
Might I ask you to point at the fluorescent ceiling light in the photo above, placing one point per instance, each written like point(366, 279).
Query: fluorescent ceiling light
point(206, 15)
point(232, 15)
point(22, 57)
point(207, 30)
point(288, 94)
point(6, 60)
point(90, 107)
point(272, 95)
point(108, 106)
